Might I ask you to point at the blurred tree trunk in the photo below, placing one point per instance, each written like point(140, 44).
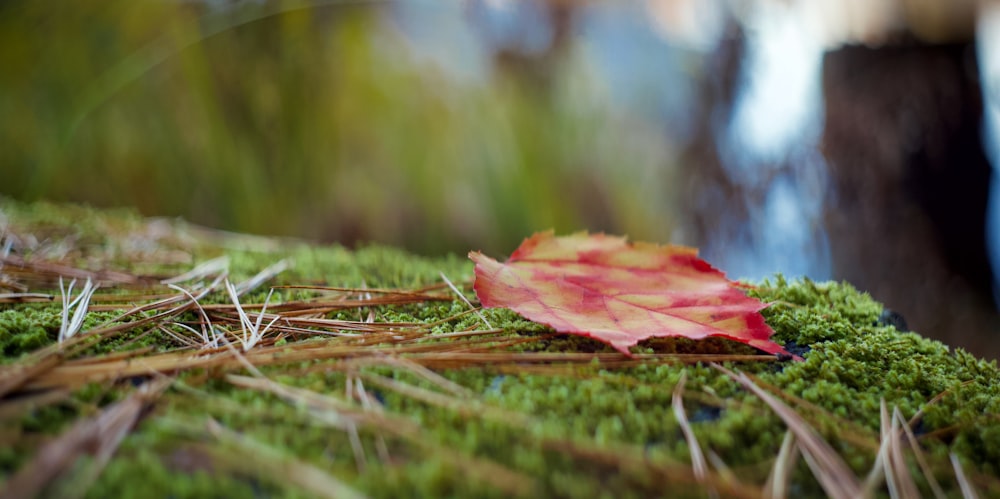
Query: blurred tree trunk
point(906, 213)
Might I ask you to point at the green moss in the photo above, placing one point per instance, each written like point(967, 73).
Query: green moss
point(27, 328)
point(135, 466)
point(851, 365)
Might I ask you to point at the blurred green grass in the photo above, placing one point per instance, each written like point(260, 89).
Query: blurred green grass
point(313, 120)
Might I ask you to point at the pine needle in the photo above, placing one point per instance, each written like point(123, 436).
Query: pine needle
point(252, 333)
point(776, 486)
point(215, 266)
point(281, 467)
point(827, 466)
point(698, 465)
point(98, 436)
point(68, 327)
point(466, 300)
point(897, 473)
point(918, 453)
point(963, 482)
point(263, 276)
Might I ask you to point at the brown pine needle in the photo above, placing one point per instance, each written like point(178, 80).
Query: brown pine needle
point(776, 486)
point(15, 376)
point(721, 468)
point(261, 277)
point(98, 436)
point(827, 466)
point(48, 272)
point(916, 417)
point(918, 453)
point(419, 370)
point(214, 266)
point(963, 482)
point(370, 403)
point(698, 465)
point(634, 460)
point(465, 406)
point(26, 298)
point(280, 467)
point(504, 479)
point(331, 411)
point(897, 473)
point(851, 432)
point(18, 407)
point(466, 300)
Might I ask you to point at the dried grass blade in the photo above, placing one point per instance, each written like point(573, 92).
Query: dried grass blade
point(827, 466)
point(79, 342)
point(183, 296)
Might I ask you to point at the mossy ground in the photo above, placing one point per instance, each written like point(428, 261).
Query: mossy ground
point(601, 427)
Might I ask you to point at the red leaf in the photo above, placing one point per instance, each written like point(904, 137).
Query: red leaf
point(620, 293)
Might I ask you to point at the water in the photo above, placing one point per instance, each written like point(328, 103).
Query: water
point(988, 45)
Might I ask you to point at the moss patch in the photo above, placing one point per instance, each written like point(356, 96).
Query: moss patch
point(601, 427)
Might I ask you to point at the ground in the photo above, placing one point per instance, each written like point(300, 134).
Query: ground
point(378, 381)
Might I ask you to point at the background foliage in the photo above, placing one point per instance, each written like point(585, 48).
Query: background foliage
point(316, 120)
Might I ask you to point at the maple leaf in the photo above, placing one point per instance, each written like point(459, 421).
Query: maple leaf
point(619, 292)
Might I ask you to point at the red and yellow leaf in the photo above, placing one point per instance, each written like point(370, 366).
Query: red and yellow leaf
point(619, 292)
